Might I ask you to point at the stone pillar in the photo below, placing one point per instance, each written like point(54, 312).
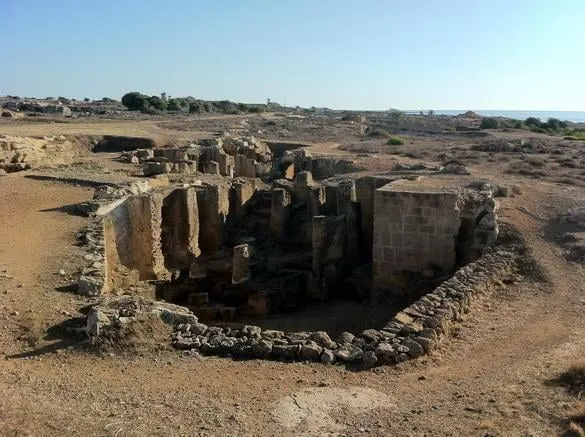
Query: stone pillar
point(245, 166)
point(180, 227)
point(346, 194)
point(319, 229)
point(279, 212)
point(304, 179)
point(243, 190)
point(241, 264)
point(211, 167)
point(347, 206)
point(213, 203)
point(144, 241)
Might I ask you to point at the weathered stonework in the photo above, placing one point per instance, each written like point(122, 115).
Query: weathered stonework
point(413, 231)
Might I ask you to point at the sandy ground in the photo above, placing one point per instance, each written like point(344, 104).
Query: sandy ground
point(492, 378)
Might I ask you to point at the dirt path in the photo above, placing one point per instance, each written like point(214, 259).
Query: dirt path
point(490, 379)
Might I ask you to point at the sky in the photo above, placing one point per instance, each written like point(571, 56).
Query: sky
point(366, 54)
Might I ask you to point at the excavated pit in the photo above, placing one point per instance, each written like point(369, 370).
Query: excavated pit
point(344, 254)
point(264, 260)
point(117, 143)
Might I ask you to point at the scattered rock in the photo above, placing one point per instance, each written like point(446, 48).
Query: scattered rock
point(349, 354)
point(262, 349)
point(415, 350)
point(345, 338)
point(369, 359)
point(323, 339)
point(310, 351)
point(327, 357)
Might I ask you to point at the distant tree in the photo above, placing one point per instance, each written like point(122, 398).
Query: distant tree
point(256, 109)
point(86, 99)
point(157, 103)
point(533, 121)
point(177, 105)
point(395, 116)
point(227, 107)
point(196, 107)
point(431, 113)
point(554, 124)
point(134, 101)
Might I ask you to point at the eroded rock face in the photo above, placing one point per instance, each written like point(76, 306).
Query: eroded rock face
point(23, 153)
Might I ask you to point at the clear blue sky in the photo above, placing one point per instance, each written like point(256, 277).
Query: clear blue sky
point(359, 54)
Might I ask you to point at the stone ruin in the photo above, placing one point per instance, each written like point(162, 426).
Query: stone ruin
point(235, 248)
point(236, 157)
point(22, 153)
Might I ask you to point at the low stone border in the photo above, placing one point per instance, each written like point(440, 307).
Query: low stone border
point(413, 332)
point(93, 276)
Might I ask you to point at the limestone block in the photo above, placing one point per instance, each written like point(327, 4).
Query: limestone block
point(211, 167)
point(241, 264)
point(279, 212)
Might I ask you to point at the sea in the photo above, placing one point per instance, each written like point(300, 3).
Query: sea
point(574, 116)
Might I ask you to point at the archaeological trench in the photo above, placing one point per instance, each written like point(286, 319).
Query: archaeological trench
point(217, 237)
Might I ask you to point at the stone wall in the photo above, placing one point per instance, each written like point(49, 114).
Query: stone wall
point(180, 228)
point(134, 236)
point(413, 231)
point(415, 331)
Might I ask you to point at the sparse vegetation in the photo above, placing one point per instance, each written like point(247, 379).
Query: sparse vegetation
point(574, 379)
point(395, 141)
point(378, 132)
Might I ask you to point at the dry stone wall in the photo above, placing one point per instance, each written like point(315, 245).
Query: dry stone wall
point(415, 331)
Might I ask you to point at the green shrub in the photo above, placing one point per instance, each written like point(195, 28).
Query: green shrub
point(489, 123)
point(177, 105)
point(395, 141)
point(533, 121)
point(134, 101)
point(227, 107)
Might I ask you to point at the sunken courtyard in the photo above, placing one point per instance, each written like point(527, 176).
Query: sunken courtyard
point(261, 250)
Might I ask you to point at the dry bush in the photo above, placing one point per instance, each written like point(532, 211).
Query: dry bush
point(566, 181)
point(377, 132)
point(525, 169)
point(574, 379)
point(535, 161)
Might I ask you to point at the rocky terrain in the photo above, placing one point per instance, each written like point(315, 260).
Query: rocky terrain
point(479, 349)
